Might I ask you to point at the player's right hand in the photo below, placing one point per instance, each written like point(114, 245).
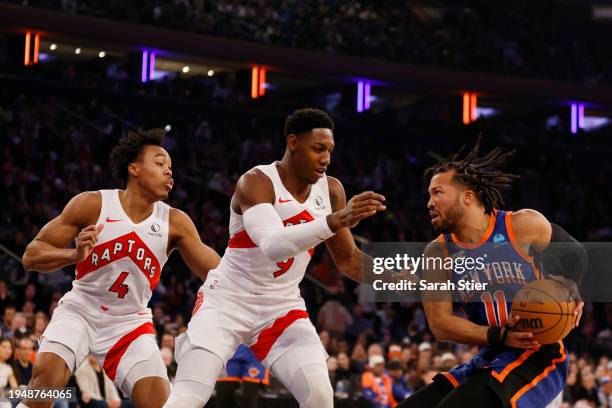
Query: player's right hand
point(361, 206)
point(85, 242)
point(516, 338)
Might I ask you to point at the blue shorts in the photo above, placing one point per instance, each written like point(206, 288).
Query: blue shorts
point(244, 366)
point(522, 378)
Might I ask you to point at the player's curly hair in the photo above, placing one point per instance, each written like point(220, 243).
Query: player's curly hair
point(478, 173)
point(129, 149)
point(304, 120)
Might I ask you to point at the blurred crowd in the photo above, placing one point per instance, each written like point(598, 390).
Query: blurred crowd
point(556, 40)
point(57, 145)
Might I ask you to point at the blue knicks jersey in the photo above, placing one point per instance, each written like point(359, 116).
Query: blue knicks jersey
point(503, 266)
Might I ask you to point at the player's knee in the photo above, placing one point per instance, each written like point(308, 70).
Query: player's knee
point(49, 370)
point(184, 401)
point(312, 388)
point(188, 394)
point(321, 393)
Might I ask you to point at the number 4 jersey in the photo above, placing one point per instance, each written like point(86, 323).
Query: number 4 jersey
point(245, 268)
point(124, 267)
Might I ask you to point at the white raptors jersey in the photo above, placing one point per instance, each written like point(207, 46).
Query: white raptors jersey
point(124, 267)
point(244, 267)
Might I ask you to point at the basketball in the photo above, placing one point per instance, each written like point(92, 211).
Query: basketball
point(546, 310)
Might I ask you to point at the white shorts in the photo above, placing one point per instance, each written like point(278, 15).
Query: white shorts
point(222, 320)
point(117, 342)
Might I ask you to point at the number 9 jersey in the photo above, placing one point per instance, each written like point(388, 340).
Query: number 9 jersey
point(245, 268)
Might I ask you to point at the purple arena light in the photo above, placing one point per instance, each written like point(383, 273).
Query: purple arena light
point(366, 98)
point(581, 116)
point(360, 96)
point(144, 71)
point(151, 65)
point(574, 118)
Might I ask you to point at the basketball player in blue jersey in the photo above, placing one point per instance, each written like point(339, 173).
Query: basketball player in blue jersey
point(511, 369)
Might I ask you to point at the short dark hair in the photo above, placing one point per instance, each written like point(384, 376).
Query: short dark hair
point(306, 119)
point(129, 148)
point(478, 174)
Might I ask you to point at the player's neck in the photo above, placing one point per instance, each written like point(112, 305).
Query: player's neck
point(288, 175)
point(472, 226)
point(135, 204)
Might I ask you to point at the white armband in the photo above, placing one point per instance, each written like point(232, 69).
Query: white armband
point(277, 242)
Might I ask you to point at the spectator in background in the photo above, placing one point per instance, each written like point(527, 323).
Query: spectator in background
point(167, 340)
point(40, 324)
point(97, 390)
point(28, 312)
point(23, 366)
point(325, 340)
point(345, 382)
point(29, 295)
point(425, 357)
point(448, 361)
point(169, 362)
point(18, 326)
point(7, 377)
point(344, 367)
point(605, 392)
point(359, 358)
point(332, 367)
point(585, 388)
point(7, 321)
point(401, 389)
point(6, 297)
point(377, 385)
point(333, 317)
point(361, 323)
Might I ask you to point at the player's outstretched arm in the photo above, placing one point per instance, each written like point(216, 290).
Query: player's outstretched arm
point(445, 326)
point(199, 257)
point(254, 197)
point(47, 252)
point(349, 259)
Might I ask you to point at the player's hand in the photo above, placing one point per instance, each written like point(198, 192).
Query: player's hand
point(574, 293)
point(516, 338)
point(578, 312)
point(85, 242)
point(361, 206)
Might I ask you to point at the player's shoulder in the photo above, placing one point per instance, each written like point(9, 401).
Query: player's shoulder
point(530, 225)
point(334, 183)
point(527, 218)
point(177, 217)
point(254, 178)
point(86, 201)
point(336, 189)
point(83, 208)
point(436, 247)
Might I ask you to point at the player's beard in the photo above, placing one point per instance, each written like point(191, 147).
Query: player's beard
point(449, 223)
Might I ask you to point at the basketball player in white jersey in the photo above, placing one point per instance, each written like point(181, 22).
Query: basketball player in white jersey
point(123, 238)
point(278, 214)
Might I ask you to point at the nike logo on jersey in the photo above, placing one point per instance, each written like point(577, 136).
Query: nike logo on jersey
point(280, 200)
point(108, 219)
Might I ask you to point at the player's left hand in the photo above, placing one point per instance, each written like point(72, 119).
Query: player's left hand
point(578, 312)
point(574, 293)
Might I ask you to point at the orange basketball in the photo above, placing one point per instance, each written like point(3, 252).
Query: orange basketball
point(546, 310)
